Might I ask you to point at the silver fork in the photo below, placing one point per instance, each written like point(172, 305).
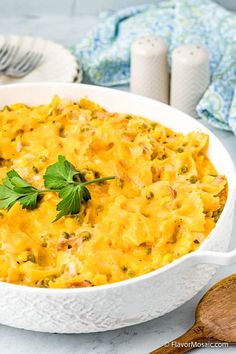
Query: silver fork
point(23, 66)
point(7, 54)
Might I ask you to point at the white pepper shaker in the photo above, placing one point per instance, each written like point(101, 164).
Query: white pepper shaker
point(149, 74)
point(190, 77)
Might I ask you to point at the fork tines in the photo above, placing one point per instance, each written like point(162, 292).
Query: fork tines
point(24, 65)
point(7, 55)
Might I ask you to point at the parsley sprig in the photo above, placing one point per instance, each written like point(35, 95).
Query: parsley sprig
point(15, 188)
point(61, 177)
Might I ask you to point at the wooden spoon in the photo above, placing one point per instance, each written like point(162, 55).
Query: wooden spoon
point(215, 319)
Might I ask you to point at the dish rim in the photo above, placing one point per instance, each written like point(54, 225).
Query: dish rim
point(146, 276)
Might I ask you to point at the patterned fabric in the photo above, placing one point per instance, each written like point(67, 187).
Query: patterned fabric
point(105, 52)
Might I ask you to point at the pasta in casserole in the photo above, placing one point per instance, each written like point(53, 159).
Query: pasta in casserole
point(165, 200)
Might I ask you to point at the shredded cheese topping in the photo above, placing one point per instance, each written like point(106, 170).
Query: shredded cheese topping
point(165, 200)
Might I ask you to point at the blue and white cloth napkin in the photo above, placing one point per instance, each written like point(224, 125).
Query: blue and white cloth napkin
point(105, 52)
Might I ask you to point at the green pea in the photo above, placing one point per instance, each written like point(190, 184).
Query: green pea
point(31, 258)
point(149, 195)
point(183, 170)
point(86, 235)
point(193, 179)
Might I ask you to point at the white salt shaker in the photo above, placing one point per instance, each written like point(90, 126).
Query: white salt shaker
point(190, 77)
point(149, 74)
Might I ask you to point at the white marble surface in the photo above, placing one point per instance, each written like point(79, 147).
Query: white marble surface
point(138, 339)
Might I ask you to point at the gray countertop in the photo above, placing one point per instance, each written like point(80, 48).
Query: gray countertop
point(35, 8)
point(138, 339)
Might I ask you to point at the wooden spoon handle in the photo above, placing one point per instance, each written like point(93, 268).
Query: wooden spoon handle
point(183, 343)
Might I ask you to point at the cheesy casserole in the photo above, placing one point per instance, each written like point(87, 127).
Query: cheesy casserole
point(165, 200)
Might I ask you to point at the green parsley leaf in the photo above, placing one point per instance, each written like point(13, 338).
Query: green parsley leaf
point(16, 180)
point(58, 175)
point(15, 189)
point(29, 201)
point(7, 197)
point(71, 202)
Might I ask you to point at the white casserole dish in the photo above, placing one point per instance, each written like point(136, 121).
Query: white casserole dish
point(132, 301)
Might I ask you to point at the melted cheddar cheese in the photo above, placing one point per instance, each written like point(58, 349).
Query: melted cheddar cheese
point(165, 200)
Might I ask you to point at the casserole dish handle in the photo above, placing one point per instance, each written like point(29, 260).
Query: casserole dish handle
point(212, 257)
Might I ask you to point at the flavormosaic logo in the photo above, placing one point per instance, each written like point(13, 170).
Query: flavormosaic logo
point(195, 344)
